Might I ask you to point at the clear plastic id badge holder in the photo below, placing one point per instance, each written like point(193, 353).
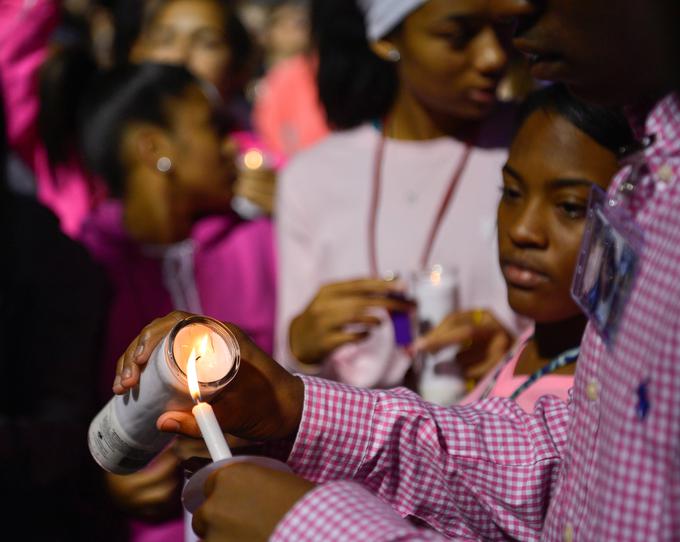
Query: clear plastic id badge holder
point(608, 262)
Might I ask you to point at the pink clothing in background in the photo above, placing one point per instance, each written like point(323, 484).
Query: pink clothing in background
point(168, 531)
point(323, 207)
point(66, 189)
point(287, 114)
point(507, 382)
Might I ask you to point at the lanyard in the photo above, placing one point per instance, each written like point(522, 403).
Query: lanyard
point(562, 360)
point(375, 204)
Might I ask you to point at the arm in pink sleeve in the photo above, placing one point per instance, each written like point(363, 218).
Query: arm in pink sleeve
point(25, 28)
point(487, 469)
point(347, 511)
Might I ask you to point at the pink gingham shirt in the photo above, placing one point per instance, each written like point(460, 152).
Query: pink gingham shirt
point(590, 470)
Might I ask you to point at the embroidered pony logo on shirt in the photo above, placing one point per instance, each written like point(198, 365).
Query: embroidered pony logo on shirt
point(642, 406)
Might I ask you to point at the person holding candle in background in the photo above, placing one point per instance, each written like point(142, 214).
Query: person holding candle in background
point(169, 240)
point(207, 36)
point(562, 148)
point(43, 83)
point(408, 193)
point(603, 467)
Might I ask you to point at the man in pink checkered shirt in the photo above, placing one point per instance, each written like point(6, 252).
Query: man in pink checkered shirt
point(384, 465)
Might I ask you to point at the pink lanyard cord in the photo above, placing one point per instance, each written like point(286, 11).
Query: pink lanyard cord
point(375, 205)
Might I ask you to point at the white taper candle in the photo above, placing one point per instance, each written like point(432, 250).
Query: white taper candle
point(211, 431)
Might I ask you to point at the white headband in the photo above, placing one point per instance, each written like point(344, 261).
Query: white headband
point(382, 16)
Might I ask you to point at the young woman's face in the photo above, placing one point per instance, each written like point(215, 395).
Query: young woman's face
point(541, 216)
point(191, 33)
point(202, 170)
point(453, 54)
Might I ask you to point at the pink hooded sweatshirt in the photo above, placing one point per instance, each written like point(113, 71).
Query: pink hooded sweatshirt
point(227, 270)
point(25, 28)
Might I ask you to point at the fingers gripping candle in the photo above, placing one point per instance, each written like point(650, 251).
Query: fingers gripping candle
point(123, 437)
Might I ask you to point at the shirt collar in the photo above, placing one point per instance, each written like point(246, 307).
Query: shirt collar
point(661, 120)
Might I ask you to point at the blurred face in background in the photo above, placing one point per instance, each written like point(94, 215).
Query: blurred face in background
point(453, 54)
point(203, 170)
point(287, 31)
point(191, 33)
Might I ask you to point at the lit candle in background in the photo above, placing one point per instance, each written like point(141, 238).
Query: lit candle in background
point(203, 412)
point(253, 159)
point(436, 292)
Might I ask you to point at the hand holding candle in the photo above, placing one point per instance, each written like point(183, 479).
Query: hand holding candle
point(203, 412)
point(123, 437)
point(264, 402)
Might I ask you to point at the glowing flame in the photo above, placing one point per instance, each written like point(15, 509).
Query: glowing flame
point(192, 376)
point(253, 159)
point(436, 275)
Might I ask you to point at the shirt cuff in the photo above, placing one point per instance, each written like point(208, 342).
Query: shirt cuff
point(343, 511)
point(335, 431)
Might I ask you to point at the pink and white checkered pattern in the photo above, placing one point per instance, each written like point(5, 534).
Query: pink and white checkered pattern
point(491, 472)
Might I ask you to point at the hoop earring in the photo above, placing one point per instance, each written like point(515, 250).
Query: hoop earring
point(164, 164)
point(393, 55)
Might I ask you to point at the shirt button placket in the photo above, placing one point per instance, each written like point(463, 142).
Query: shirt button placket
point(665, 173)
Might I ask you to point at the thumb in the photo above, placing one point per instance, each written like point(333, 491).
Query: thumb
point(182, 423)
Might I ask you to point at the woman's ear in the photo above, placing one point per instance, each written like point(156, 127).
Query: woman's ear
point(151, 148)
point(386, 50)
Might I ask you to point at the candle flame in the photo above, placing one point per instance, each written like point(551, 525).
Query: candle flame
point(436, 277)
point(192, 376)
